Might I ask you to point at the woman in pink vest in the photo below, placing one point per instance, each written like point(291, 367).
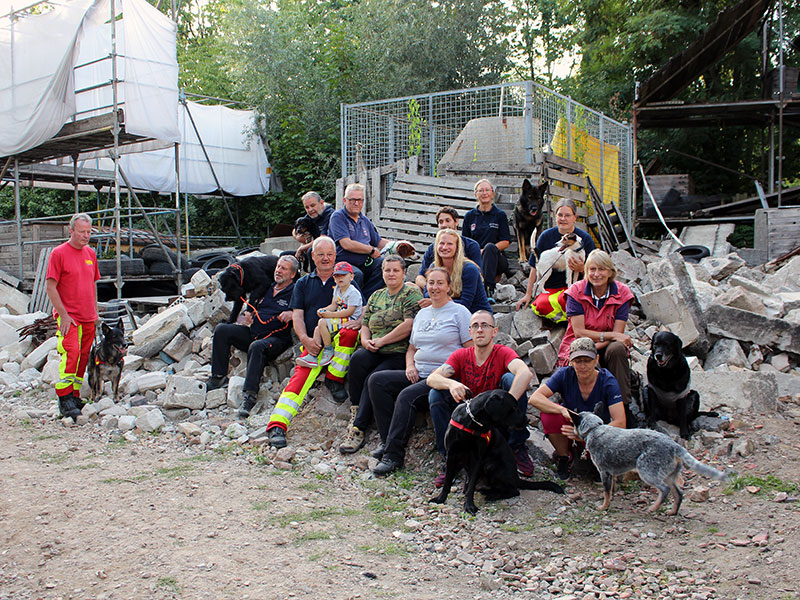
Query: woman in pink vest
point(598, 308)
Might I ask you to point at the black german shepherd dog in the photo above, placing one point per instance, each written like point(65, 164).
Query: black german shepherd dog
point(475, 442)
point(106, 360)
point(251, 276)
point(528, 216)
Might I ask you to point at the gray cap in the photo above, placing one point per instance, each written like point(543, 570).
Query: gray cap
point(582, 347)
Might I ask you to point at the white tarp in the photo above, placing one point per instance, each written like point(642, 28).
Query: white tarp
point(42, 89)
point(238, 156)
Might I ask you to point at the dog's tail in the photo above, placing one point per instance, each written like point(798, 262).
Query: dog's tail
point(548, 486)
point(695, 465)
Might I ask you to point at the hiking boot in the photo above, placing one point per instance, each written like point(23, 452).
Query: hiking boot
point(337, 390)
point(277, 437)
point(378, 452)
point(249, 400)
point(66, 404)
point(326, 356)
point(563, 467)
point(307, 360)
point(439, 481)
point(354, 442)
point(79, 402)
point(215, 382)
point(524, 462)
point(386, 466)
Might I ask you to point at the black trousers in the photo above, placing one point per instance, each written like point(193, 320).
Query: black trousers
point(494, 263)
point(395, 402)
point(259, 352)
point(363, 364)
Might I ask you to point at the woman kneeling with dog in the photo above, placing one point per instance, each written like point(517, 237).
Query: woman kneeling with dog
point(582, 385)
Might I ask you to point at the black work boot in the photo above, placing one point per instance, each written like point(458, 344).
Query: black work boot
point(66, 404)
point(249, 400)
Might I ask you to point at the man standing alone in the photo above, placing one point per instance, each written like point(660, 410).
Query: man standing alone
point(71, 275)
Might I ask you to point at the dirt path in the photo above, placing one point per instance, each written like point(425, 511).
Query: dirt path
point(85, 517)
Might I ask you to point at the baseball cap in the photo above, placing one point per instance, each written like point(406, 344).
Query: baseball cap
point(582, 347)
point(342, 267)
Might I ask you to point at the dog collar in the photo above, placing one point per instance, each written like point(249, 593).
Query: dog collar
point(471, 416)
point(487, 435)
point(241, 272)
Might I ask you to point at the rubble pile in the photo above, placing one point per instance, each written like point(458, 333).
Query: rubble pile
point(739, 323)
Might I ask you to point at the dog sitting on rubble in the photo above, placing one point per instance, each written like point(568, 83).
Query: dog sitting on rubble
point(252, 275)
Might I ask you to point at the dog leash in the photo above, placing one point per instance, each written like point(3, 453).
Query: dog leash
point(471, 416)
point(263, 322)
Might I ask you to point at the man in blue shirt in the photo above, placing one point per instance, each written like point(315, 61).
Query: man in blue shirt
point(263, 334)
point(320, 213)
point(357, 241)
point(447, 218)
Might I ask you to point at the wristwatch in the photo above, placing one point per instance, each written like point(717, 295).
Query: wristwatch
point(602, 336)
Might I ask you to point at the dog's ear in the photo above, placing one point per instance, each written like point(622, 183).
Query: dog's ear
point(576, 418)
point(543, 188)
point(599, 409)
point(120, 325)
point(526, 186)
point(105, 328)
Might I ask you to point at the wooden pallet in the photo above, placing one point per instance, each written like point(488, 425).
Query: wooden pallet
point(610, 228)
point(39, 299)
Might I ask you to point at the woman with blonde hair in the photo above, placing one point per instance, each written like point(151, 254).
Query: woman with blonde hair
point(598, 308)
point(488, 225)
point(466, 285)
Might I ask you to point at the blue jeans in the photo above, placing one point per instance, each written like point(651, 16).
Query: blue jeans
point(442, 406)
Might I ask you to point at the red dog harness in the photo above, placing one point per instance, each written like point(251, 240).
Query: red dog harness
point(487, 435)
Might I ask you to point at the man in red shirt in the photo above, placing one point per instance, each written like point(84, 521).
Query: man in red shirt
point(71, 275)
point(483, 367)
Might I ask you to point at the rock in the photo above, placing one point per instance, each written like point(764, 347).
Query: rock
point(8, 335)
point(781, 361)
point(184, 392)
point(109, 422)
point(743, 447)
point(152, 420)
point(113, 411)
point(151, 381)
point(216, 398)
point(543, 359)
point(525, 325)
point(126, 422)
point(15, 301)
point(666, 306)
point(235, 431)
point(50, 371)
point(739, 297)
point(746, 326)
point(37, 358)
point(215, 309)
point(726, 352)
point(505, 293)
point(196, 309)
point(744, 390)
point(286, 454)
point(785, 279)
point(322, 468)
point(235, 385)
point(189, 429)
point(150, 338)
point(793, 317)
point(540, 448)
point(773, 307)
point(720, 267)
point(707, 423)
point(177, 414)
point(629, 269)
point(179, 347)
point(699, 494)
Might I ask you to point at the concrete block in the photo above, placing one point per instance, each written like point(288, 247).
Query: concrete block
point(196, 309)
point(132, 362)
point(50, 371)
point(15, 301)
point(629, 268)
point(793, 316)
point(504, 322)
point(543, 358)
point(706, 293)
point(739, 297)
point(153, 380)
point(720, 267)
point(151, 337)
point(184, 392)
point(215, 309)
point(38, 357)
point(126, 422)
point(746, 326)
point(785, 279)
point(235, 385)
point(660, 273)
point(525, 325)
point(773, 306)
point(781, 362)
point(8, 334)
point(693, 313)
point(726, 352)
point(179, 347)
point(698, 272)
point(216, 398)
point(189, 429)
point(152, 420)
point(744, 391)
point(505, 293)
point(177, 414)
point(666, 305)
point(791, 300)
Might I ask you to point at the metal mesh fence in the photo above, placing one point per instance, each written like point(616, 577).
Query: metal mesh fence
point(504, 123)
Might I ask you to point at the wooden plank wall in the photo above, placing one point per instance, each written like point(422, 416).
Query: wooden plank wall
point(776, 230)
point(32, 233)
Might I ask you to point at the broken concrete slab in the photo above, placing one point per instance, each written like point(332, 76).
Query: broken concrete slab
point(37, 358)
point(726, 352)
point(543, 359)
point(694, 313)
point(184, 392)
point(179, 347)
point(15, 301)
point(8, 335)
point(152, 420)
point(747, 326)
point(720, 267)
point(743, 390)
point(666, 305)
point(629, 268)
point(773, 306)
point(785, 279)
point(151, 337)
point(739, 297)
point(153, 380)
point(505, 293)
point(235, 386)
point(525, 325)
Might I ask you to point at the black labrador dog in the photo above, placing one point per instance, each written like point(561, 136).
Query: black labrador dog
point(475, 442)
point(251, 276)
point(528, 216)
point(668, 395)
point(107, 359)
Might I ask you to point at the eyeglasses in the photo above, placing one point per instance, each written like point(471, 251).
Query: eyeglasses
point(477, 326)
point(354, 199)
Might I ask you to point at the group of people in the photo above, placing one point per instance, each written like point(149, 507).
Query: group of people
point(401, 346)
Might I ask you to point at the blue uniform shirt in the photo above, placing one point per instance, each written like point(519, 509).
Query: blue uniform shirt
point(342, 226)
point(269, 308)
point(606, 390)
point(486, 227)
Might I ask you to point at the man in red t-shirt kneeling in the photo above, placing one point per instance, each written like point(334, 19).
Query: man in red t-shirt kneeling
point(483, 367)
point(71, 275)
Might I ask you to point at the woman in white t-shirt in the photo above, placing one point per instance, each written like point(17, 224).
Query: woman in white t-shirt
point(439, 330)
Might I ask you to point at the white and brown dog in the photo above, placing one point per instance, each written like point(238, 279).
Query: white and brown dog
point(557, 258)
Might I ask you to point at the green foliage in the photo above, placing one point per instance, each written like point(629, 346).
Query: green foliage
point(415, 125)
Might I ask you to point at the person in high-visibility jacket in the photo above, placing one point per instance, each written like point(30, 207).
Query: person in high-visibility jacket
point(551, 304)
point(312, 292)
